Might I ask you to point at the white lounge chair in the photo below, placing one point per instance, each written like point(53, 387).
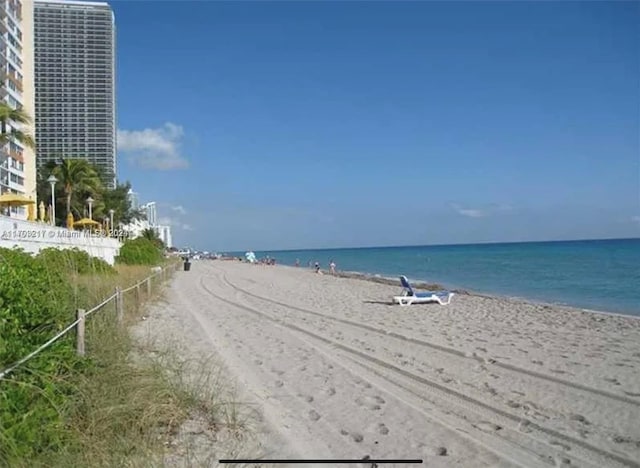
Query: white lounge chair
point(409, 296)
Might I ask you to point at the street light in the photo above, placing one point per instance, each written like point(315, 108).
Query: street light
point(90, 202)
point(111, 212)
point(52, 180)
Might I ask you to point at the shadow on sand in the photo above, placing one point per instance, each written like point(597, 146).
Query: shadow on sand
point(387, 303)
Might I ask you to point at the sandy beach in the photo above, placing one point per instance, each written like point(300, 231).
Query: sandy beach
point(337, 372)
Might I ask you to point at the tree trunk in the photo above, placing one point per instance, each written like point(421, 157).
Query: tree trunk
point(68, 203)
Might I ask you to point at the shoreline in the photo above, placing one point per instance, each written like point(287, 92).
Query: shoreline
point(424, 285)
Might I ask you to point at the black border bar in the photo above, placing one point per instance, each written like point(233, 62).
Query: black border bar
point(317, 460)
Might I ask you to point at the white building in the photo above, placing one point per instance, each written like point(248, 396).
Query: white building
point(164, 233)
point(136, 227)
point(17, 89)
point(133, 199)
point(149, 210)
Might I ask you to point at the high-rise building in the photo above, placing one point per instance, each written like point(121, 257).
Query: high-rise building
point(17, 162)
point(133, 199)
point(149, 210)
point(75, 83)
point(164, 233)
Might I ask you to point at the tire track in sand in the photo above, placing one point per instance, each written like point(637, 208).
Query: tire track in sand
point(445, 349)
point(454, 398)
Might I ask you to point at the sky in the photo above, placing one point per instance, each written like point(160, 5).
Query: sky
point(286, 125)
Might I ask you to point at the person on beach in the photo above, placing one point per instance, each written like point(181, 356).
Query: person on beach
point(317, 267)
point(297, 262)
point(332, 266)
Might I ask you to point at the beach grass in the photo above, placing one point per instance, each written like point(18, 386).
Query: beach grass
point(128, 401)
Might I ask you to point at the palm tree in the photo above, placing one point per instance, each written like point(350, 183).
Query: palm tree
point(152, 235)
point(19, 116)
point(77, 175)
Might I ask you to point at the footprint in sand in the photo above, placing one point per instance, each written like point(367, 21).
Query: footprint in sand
point(579, 418)
point(331, 391)
point(313, 415)
point(564, 447)
point(438, 451)
point(357, 437)
point(382, 429)
point(372, 403)
point(489, 389)
point(278, 383)
point(487, 426)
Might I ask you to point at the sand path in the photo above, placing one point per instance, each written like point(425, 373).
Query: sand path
point(339, 373)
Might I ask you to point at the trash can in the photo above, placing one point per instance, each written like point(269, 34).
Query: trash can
point(187, 265)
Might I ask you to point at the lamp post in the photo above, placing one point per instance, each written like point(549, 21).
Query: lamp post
point(90, 203)
point(52, 180)
point(111, 212)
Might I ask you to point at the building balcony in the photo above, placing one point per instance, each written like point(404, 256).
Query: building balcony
point(16, 155)
point(15, 80)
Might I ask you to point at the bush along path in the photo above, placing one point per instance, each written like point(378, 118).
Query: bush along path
point(58, 408)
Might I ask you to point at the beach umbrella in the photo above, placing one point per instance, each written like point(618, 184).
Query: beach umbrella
point(69, 221)
point(41, 211)
point(84, 222)
point(87, 224)
point(14, 199)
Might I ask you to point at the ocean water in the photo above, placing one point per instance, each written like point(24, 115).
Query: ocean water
point(602, 275)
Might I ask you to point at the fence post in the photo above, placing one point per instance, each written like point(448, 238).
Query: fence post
point(149, 287)
point(119, 305)
point(80, 332)
point(137, 294)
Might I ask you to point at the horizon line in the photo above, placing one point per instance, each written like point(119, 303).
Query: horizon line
point(430, 245)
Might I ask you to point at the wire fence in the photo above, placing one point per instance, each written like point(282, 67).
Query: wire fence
point(78, 324)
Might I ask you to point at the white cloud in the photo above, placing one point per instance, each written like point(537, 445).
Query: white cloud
point(480, 212)
point(174, 223)
point(154, 148)
point(469, 212)
point(180, 209)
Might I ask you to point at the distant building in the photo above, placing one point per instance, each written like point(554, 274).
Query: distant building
point(164, 233)
point(135, 227)
point(149, 210)
point(17, 162)
point(75, 83)
point(133, 199)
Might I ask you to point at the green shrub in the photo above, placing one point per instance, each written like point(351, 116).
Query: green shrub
point(36, 302)
point(74, 261)
point(139, 251)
